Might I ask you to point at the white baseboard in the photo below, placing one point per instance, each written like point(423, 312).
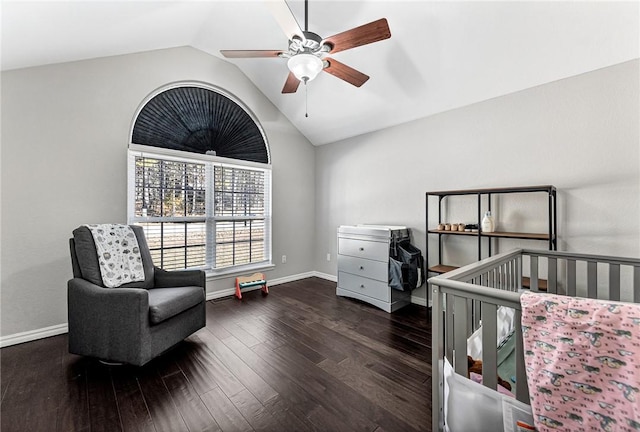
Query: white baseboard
point(32, 335)
point(291, 278)
point(224, 293)
point(55, 330)
point(326, 276)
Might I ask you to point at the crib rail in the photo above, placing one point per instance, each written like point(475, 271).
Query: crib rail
point(467, 298)
point(594, 265)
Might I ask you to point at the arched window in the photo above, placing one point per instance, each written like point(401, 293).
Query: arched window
point(200, 180)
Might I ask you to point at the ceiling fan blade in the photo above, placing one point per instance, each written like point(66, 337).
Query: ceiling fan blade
point(291, 85)
point(281, 12)
point(250, 53)
point(346, 73)
point(365, 34)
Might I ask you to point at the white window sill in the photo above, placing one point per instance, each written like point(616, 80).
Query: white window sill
point(238, 271)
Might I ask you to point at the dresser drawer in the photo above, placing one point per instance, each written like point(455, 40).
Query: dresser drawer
point(365, 286)
point(363, 267)
point(378, 251)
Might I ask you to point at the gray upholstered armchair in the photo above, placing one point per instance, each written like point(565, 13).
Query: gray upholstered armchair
point(137, 321)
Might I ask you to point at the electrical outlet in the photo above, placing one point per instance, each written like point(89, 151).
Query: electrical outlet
point(284, 259)
point(328, 257)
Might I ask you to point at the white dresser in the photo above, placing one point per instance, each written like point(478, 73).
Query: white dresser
point(363, 265)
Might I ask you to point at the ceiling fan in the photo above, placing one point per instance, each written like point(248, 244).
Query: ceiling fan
point(307, 51)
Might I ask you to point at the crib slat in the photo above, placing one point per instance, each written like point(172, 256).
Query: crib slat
point(522, 391)
point(592, 279)
point(614, 282)
point(518, 282)
point(534, 274)
point(636, 284)
point(552, 276)
point(571, 277)
point(505, 270)
point(448, 327)
point(477, 315)
point(489, 344)
point(460, 335)
point(470, 313)
point(437, 388)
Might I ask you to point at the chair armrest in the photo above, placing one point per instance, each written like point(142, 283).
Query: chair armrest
point(113, 309)
point(170, 279)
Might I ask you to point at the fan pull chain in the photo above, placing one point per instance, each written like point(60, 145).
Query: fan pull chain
point(306, 99)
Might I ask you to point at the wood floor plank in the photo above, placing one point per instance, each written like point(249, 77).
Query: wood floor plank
point(226, 319)
point(193, 411)
point(224, 378)
point(321, 386)
point(403, 403)
point(205, 371)
point(301, 403)
point(241, 334)
point(103, 406)
point(392, 374)
point(305, 339)
point(266, 335)
point(308, 348)
point(225, 412)
point(328, 421)
point(254, 412)
point(198, 374)
point(73, 411)
point(247, 376)
point(370, 356)
point(281, 410)
point(38, 390)
point(214, 318)
point(134, 413)
point(162, 408)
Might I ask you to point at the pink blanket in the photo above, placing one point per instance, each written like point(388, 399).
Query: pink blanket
point(583, 362)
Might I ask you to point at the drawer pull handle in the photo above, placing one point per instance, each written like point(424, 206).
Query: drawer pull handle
point(361, 249)
point(362, 286)
point(361, 268)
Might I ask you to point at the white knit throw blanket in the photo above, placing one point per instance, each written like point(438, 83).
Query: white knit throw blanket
point(118, 254)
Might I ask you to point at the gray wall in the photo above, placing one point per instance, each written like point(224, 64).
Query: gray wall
point(65, 131)
point(580, 134)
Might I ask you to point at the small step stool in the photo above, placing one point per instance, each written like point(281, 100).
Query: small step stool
point(256, 279)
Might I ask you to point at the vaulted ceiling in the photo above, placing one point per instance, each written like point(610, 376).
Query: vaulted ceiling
point(441, 55)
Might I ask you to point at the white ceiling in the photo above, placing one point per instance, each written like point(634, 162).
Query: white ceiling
point(441, 55)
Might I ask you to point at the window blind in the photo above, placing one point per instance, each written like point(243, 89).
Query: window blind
point(200, 213)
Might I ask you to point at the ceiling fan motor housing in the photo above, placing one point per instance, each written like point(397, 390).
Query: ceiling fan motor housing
point(311, 44)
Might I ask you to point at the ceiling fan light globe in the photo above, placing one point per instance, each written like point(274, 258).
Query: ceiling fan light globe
point(305, 66)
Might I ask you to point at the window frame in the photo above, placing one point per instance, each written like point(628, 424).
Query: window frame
point(210, 219)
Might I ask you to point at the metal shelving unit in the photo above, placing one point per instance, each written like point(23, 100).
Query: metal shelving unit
point(550, 237)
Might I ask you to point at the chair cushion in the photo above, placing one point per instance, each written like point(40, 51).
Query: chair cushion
point(88, 258)
point(165, 303)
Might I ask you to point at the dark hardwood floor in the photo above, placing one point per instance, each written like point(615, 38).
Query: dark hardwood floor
point(299, 359)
